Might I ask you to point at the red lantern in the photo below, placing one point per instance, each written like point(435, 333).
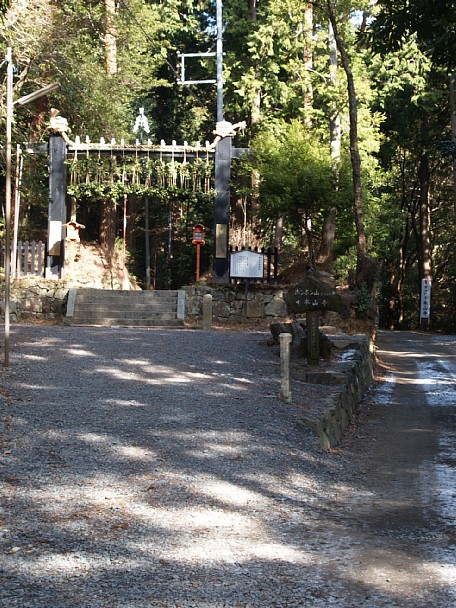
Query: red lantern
point(198, 240)
point(198, 235)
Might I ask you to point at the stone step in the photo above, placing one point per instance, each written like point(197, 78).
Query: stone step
point(126, 308)
point(90, 314)
point(106, 307)
point(139, 296)
point(127, 322)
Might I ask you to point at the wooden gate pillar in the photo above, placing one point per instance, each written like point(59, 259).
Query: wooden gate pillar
point(57, 207)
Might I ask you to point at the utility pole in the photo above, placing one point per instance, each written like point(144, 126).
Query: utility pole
point(9, 120)
point(219, 61)
point(224, 153)
point(10, 103)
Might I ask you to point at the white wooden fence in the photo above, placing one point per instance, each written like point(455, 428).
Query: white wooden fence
point(30, 258)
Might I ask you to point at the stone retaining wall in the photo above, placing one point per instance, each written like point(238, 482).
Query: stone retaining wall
point(35, 298)
point(44, 299)
point(349, 377)
point(264, 303)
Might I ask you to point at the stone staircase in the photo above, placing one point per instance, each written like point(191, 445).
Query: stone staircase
point(105, 307)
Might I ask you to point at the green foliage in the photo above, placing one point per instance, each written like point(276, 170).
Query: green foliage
point(344, 267)
point(295, 175)
point(366, 301)
point(277, 77)
point(105, 177)
point(432, 21)
point(412, 95)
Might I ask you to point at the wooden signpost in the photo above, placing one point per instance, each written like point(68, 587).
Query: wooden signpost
point(311, 297)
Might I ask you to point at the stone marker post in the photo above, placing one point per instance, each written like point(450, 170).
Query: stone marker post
point(285, 389)
point(207, 311)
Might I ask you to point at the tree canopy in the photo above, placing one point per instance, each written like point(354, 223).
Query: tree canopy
point(350, 113)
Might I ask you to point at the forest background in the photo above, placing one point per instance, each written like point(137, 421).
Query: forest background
point(350, 121)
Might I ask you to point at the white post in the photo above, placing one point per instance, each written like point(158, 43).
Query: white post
point(285, 388)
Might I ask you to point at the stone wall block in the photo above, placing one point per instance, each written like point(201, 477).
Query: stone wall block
point(276, 307)
point(221, 310)
point(255, 310)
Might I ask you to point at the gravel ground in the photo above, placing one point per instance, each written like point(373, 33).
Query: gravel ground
point(147, 468)
point(158, 468)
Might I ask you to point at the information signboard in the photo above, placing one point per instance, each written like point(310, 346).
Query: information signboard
point(246, 265)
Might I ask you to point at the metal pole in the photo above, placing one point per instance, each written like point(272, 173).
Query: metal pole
point(198, 258)
point(219, 49)
point(147, 239)
point(170, 242)
point(17, 204)
point(9, 120)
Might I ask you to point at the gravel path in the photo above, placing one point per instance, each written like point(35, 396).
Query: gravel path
point(156, 468)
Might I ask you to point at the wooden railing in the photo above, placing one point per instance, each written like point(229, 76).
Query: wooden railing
point(30, 258)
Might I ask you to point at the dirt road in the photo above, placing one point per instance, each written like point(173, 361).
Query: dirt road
point(397, 525)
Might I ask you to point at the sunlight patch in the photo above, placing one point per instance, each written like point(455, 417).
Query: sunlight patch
point(230, 493)
point(238, 549)
point(441, 383)
point(79, 352)
point(93, 437)
point(383, 392)
point(134, 452)
point(123, 402)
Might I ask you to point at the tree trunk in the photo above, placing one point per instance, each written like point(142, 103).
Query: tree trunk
point(392, 298)
point(308, 64)
point(425, 231)
point(110, 37)
point(354, 149)
point(254, 120)
point(108, 220)
point(453, 128)
point(329, 225)
point(402, 272)
point(307, 238)
point(256, 107)
point(278, 236)
point(334, 118)
point(328, 235)
point(253, 10)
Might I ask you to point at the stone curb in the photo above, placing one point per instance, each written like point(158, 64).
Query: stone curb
point(349, 379)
